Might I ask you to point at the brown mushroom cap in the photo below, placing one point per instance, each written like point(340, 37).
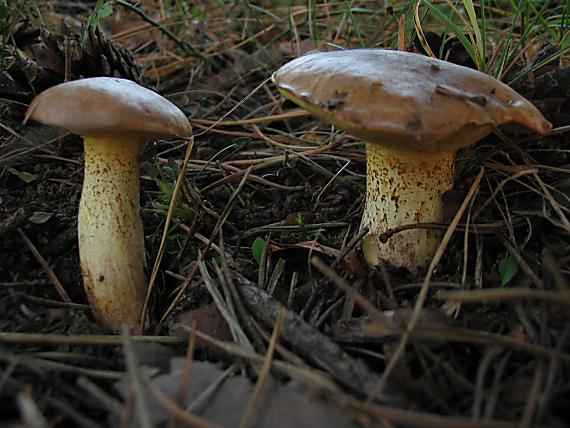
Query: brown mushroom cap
point(403, 100)
point(105, 106)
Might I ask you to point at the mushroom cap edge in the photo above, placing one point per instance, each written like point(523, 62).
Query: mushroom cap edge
point(108, 106)
point(403, 100)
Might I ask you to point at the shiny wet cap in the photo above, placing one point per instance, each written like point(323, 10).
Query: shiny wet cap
point(403, 100)
point(108, 106)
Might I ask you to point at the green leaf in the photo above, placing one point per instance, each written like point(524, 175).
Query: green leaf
point(196, 12)
point(257, 248)
point(102, 10)
point(40, 217)
point(508, 268)
point(183, 212)
point(159, 207)
point(26, 177)
point(166, 188)
point(152, 170)
point(105, 11)
point(300, 220)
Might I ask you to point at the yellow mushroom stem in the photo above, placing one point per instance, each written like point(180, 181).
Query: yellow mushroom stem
point(111, 241)
point(404, 188)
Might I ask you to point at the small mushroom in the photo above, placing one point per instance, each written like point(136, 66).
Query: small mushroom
point(115, 117)
point(413, 112)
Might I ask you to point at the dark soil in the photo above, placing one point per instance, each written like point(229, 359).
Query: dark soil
point(292, 197)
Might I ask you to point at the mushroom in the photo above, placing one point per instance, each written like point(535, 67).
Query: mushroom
point(115, 117)
point(413, 112)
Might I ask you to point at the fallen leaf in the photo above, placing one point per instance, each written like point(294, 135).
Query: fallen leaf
point(26, 177)
point(210, 321)
point(280, 405)
point(40, 217)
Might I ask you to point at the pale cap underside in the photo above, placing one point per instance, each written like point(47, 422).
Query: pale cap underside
point(109, 106)
point(403, 100)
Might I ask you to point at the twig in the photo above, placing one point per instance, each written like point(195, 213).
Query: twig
point(565, 224)
point(169, 215)
point(187, 47)
point(228, 315)
point(110, 402)
point(275, 276)
point(223, 216)
point(292, 229)
point(227, 280)
point(182, 392)
point(311, 377)
point(177, 411)
point(202, 400)
point(348, 247)
point(88, 339)
point(275, 160)
point(410, 418)
point(482, 372)
point(274, 118)
point(79, 419)
point(521, 262)
point(378, 332)
point(504, 294)
point(264, 371)
point(319, 348)
point(482, 228)
point(52, 303)
point(532, 397)
point(515, 176)
point(493, 395)
point(46, 267)
point(353, 294)
point(136, 381)
point(39, 363)
point(30, 412)
point(425, 286)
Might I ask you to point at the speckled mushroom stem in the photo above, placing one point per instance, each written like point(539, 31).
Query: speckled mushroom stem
point(111, 241)
point(404, 188)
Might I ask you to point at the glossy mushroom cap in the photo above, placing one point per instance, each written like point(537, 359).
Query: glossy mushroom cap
point(413, 112)
point(404, 100)
point(107, 106)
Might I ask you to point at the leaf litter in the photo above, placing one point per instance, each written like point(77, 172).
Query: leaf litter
point(267, 189)
point(220, 397)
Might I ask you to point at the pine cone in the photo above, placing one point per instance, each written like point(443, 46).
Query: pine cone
point(39, 59)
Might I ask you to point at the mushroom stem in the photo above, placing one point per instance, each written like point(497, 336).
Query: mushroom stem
point(111, 240)
point(404, 188)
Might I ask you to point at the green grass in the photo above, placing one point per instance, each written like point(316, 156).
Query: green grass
point(11, 12)
point(496, 38)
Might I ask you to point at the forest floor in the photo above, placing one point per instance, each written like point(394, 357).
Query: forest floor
point(264, 311)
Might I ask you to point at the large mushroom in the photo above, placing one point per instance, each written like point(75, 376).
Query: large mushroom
point(413, 112)
point(115, 117)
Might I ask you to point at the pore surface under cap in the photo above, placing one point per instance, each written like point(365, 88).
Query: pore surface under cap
point(405, 100)
point(105, 106)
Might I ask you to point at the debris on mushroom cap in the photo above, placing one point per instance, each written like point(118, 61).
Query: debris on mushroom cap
point(404, 100)
point(102, 106)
